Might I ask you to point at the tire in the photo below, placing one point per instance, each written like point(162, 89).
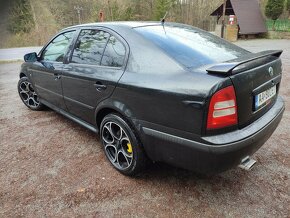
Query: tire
point(28, 94)
point(121, 145)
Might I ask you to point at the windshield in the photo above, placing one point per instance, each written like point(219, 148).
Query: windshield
point(190, 46)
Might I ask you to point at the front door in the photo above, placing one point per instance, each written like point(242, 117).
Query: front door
point(47, 71)
point(96, 65)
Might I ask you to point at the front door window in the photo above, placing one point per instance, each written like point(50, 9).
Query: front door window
point(56, 50)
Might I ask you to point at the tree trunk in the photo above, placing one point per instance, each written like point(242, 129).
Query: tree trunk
point(273, 27)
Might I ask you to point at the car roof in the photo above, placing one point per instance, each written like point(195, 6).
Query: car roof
point(125, 24)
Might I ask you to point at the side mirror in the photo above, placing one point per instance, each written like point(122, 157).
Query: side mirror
point(30, 57)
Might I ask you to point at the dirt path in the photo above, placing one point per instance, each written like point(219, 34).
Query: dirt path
point(12, 54)
point(52, 167)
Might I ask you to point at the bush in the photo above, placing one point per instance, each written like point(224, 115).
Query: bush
point(274, 9)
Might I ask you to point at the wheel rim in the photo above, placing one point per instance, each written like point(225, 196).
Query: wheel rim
point(28, 94)
point(117, 145)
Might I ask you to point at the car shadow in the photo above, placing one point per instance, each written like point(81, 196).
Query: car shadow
point(231, 181)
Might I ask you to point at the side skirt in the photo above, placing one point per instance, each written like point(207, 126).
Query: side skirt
point(70, 116)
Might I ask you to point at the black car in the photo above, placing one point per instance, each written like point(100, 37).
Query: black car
point(159, 91)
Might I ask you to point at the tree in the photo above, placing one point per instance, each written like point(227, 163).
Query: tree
point(288, 6)
point(161, 7)
point(274, 9)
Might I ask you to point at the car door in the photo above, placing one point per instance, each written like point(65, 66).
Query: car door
point(47, 71)
point(96, 64)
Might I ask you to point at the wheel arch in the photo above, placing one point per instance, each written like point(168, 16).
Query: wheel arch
point(102, 113)
point(22, 75)
point(112, 106)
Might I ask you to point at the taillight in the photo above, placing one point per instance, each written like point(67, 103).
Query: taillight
point(222, 109)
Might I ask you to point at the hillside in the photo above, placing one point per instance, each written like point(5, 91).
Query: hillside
point(49, 16)
point(42, 24)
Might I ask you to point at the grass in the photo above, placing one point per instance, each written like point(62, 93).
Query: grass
point(280, 25)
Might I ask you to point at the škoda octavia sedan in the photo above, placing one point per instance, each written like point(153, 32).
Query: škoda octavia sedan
point(160, 91)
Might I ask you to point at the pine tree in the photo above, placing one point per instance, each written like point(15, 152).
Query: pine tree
point(161, 7)
point(274, 9)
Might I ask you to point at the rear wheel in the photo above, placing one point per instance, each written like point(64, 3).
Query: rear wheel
point(28, 94)
point(121, 146)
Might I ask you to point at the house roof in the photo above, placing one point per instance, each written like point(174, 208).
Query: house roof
point(248, 14)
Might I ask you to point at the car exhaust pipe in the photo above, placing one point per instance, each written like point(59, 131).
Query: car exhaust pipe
point(247, 163)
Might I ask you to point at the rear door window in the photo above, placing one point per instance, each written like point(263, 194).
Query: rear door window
point(90, 46)
point(114, 54)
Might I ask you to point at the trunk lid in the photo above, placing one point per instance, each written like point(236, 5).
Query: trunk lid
point(256, 78)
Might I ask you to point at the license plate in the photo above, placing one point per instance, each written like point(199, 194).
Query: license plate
point(264, 97)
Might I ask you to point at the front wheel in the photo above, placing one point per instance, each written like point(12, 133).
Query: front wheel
point(121, 146)
point(28, 94)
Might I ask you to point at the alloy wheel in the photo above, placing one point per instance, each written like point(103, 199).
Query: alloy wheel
point(117, 145)
point(28, 94)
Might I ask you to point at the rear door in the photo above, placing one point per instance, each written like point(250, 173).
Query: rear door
point(97, 62)
point(47, 71)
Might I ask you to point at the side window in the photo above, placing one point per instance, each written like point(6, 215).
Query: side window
point(56, 49)
point(90, 46)
point(114, 54)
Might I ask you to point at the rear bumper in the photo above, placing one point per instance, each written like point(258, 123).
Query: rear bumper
point(215, 153)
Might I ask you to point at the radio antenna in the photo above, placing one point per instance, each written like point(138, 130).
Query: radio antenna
point(165, 15)
point(163, 19)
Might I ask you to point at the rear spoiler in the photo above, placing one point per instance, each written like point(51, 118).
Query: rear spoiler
point(226, 68)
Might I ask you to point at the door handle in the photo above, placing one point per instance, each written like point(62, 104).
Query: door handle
point(56, 76)
point(99, 86)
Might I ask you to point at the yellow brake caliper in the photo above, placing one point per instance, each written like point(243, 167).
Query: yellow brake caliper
point(129, 148)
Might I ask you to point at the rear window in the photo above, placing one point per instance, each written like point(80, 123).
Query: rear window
point(190, 46)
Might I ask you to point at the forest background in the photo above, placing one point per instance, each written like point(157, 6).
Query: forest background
point(33, 22)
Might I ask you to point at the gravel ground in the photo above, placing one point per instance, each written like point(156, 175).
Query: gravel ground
point(52, 167)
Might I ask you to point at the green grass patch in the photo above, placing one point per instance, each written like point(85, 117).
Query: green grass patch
point(280, 25)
